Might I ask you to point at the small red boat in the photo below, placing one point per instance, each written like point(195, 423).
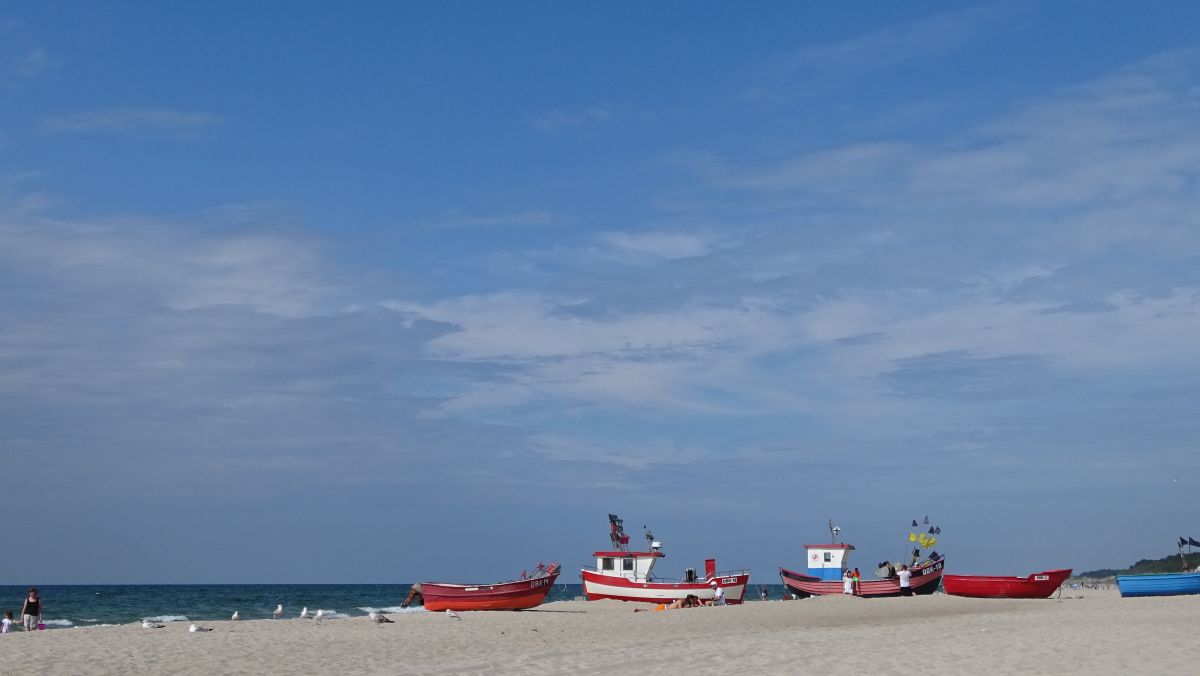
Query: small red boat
point(1037, 586)
point(528, 592)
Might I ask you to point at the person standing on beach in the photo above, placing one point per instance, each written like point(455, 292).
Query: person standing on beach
point(31, 611)
point(7, 623)
point(905, 581)
point(857, 582)
point(847, 582)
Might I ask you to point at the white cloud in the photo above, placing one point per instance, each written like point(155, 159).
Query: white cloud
point(519, 219)
point(161, 120)
point(558, 119)
point(661, 245)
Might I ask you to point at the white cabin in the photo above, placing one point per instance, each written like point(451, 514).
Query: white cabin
point(634, 566)
point(828, 562)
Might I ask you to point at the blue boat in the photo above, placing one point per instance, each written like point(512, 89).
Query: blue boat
point(1162, 584)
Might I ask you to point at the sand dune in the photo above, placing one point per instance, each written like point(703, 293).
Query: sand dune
point(1096, 633)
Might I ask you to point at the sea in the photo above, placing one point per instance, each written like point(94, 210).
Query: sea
point(67, 606)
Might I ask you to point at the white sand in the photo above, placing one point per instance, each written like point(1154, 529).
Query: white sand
point(1099, 633)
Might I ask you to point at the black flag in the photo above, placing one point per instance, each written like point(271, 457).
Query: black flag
point(926, 518)
point(937, 531)
point(914, 523)
point(931, 530)
point(917, 551)
point(1182, 541)
point(1193, 543)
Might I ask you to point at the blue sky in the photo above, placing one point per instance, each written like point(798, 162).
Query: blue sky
point(393, 291)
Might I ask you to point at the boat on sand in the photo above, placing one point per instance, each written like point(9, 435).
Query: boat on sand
point(528, 592)
point(1036, 586)
point(629, 576)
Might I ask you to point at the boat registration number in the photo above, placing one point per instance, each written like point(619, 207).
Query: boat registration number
point(729, 580)
point(541, 582)
point(1041, 577)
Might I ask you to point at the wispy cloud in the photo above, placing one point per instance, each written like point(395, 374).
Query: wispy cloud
point(660, 245)
point(129, 120)
point(822, 64)
point(21, 57)
point(518, 219)
point(559, 119)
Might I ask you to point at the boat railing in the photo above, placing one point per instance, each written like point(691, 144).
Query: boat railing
point(659, 578)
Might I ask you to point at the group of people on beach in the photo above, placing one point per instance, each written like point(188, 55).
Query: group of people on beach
point(852, 581)
point(31, 614)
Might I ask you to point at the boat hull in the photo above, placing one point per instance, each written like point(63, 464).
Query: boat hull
point(924, 580)
point(514, 595)
point(598, 586)
point(1163, 584)
point(1037, 586)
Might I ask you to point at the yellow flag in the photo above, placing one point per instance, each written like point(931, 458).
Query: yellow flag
point(931, 542)
point(923, 539)
point(912, 537)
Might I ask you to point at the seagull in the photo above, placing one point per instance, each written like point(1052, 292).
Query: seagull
point(453, 615)
point(147, 624)
point(320, 615)
point(379, 618)
point(278, 611)
point(304, 613)
point(195, 628)
point(235, 616)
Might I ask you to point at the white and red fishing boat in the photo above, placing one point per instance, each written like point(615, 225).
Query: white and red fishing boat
point(528, 592)
point(629, 576)
point(828, 563)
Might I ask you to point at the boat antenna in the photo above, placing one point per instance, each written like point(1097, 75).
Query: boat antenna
point(833, 531)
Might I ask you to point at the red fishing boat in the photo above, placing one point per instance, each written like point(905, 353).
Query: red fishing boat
point(1037, 586)
point(527, 592)
point(827, 566)
point(629, 576)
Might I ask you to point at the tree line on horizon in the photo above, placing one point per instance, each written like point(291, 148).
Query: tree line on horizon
point(1170, 563)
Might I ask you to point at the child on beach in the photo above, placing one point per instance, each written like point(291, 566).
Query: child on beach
point(6, 625)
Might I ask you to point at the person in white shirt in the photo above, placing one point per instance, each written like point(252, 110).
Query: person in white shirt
point(718, 594)
point(847, 582)
point(905, 581)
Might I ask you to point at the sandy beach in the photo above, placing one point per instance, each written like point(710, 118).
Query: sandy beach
point(1085, 632)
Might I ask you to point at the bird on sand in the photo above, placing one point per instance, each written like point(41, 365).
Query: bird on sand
point(278, 611)
point(304, 613)
point(234, 618)
point(379, 618)
point(453, 615)
point(320, 615)
point(147, 624)
point(195, 628)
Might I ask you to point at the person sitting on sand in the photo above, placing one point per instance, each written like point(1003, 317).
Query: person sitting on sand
point(718, 594)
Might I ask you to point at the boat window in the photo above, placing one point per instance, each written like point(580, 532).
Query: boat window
point(626, 564)
point(828, 557)
point(606, 563)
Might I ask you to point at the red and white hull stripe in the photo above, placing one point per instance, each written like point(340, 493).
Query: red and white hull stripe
point(598, 586)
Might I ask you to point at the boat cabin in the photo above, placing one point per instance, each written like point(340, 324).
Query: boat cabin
point(635, 566)
point(828, 562)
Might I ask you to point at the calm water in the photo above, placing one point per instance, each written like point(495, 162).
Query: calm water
point(91, 605)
